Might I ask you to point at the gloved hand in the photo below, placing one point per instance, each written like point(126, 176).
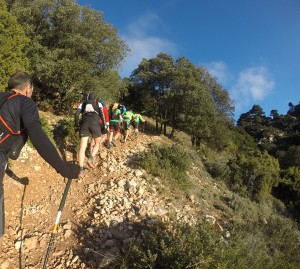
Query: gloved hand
point(71, 171)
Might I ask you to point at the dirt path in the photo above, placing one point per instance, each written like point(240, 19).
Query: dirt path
point(31, 210)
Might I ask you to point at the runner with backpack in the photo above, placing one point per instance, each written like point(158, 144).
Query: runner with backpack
point(136, 119)
point(104, 127)
point(127, 118)
point(91, 110)
point(115, 117)
point(122, 109)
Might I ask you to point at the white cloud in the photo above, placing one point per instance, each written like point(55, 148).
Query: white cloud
point(142, 44)
point(144, 25)
point(219, 70)
point(253, 85)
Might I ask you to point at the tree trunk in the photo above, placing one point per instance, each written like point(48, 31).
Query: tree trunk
point(173, 121)
point(198, 142)
point(172, 131)
point(193, 140)
point(165, 120)
point(165, 128)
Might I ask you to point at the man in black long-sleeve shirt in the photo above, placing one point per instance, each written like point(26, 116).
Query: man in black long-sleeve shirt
point(18, 114)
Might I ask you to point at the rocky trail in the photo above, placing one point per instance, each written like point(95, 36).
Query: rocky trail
point(103, 212)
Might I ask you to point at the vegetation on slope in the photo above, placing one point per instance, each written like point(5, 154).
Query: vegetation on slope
point(70, 49)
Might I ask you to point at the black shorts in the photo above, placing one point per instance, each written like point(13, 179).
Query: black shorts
point(114, 126)
point(90, 129)
point(135, 125)
point(103, 129)
point(127, 125)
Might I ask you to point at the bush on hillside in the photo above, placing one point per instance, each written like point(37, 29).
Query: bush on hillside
point(46, 128)
point(182, 246)
point(290, 157)
point(274, 244)
point(288, 189)
point(65, 135)
point(170, 163)
point(254, 174)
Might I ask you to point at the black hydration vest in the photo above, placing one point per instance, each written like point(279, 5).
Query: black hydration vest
point(90, 111)
point(11, 141)
point(90, 106)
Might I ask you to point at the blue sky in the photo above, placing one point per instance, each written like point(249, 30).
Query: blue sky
point(252, 47)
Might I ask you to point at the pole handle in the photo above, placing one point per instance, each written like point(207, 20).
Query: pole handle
point(63, 199)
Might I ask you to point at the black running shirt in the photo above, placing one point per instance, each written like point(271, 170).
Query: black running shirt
point(19, 112)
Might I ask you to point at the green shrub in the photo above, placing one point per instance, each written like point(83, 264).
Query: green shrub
point(274, 244)
point(182, 246)
point(288, 189)
point(290, 157)
point(65, 135)
point(47, 129)
point(170, 163)
point(254, 174)
point(217, 170)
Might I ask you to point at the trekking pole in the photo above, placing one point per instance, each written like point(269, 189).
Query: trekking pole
point(107, 159)
point(54, 231)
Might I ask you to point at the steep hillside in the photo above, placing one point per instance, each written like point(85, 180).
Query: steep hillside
point(104, 211)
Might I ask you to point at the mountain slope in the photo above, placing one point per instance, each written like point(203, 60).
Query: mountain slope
point(108, 203)
point(106, 210)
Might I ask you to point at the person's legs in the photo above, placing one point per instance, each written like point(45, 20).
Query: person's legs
point(127, 130)
point(91, 156)
point(117, 136)
point(94, 151)
point(95, 130)
point(81, 155)
point(136, 130)
point(111, 134)
point(96, 146)
point(130, 131)
point(114, 127)
point(126, 135)
point(92, 144)
point(118, 133)
point(104, 138)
